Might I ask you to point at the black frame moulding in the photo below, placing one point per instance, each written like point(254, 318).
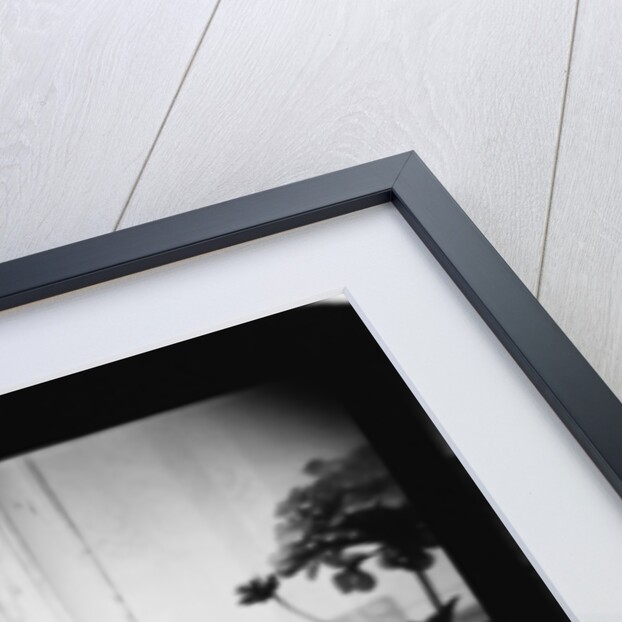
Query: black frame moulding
point(581, 399)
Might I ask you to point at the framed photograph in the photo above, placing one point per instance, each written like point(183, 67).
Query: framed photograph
point(192, 433)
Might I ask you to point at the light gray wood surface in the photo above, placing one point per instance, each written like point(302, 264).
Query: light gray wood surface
point(282, 91)
point(582, 276)
point(84, 87)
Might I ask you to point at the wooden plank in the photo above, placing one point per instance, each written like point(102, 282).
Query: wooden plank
point(282, 92)
point(582, 275)
point(64, 561)
point(84, 87)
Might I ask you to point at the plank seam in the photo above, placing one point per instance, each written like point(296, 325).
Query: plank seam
point(547, 217)
point(166, 116)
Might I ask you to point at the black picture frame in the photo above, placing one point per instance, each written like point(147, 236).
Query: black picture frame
point(572, 388)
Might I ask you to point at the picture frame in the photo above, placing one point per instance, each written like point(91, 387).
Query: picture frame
point(565, 379)
point(553, 366)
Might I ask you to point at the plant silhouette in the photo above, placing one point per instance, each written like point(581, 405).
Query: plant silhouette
point(260, 590)
point(350, 513)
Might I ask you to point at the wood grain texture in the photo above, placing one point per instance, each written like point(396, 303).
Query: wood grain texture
point(84, 87)
point(282, 92)
point(582, 275)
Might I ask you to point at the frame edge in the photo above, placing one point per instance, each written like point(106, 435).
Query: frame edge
point(120, 253)
point(569, 384)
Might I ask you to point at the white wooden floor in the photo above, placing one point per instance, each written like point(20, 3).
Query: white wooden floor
point(117, 113)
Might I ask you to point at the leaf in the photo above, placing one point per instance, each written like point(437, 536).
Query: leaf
point(446, 613)
point(351, 501)
point(343, 581)
point(354, 580)
point(313, 569)
point(257, 590)
point(365, 581)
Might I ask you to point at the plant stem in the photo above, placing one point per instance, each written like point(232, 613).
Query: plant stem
point(429, 589)
point(303, 614)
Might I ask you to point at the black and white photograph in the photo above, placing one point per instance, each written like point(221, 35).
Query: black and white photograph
point(265, 505)
point(273, 499)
